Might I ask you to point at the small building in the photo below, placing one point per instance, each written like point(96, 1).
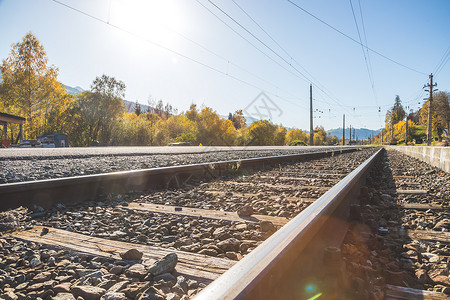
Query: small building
point(4, 120)
point(55, 140)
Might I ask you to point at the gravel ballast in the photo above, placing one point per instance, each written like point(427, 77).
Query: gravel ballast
point(17, 168)
point(34, 270)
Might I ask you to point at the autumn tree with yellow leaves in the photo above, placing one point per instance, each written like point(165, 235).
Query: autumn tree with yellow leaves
point(29, 88)
point(440, 117)
point(395, 128)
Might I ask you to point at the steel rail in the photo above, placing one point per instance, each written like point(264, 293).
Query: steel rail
point(290, 264)
point(84, 188)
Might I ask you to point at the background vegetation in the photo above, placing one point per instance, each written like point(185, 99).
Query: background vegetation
point(29, 88)
point(395, 128)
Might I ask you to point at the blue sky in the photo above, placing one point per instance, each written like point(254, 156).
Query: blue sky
point(178, 51)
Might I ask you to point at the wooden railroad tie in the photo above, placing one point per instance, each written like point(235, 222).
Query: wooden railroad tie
point(421, 206)
point(315, 174)
point(412, 192)
point(403, 177)
point(204, 213)
point(200, 267)
point(428, 235)
point(287, 178)
point(407, 192)
point(394, 292)
point(285, 186)
point(264, 196)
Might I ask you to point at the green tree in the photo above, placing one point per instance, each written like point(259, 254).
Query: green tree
point(98, 110)
point(137, 109)
point(238, 119)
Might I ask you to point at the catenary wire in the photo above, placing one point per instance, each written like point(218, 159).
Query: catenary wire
point(443, 61)
point(255, 37)
point(352, 39)
point(362, 47)
point(173, 51)
point(240, 25)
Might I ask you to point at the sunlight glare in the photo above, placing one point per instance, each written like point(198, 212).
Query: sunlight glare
point(151, 19)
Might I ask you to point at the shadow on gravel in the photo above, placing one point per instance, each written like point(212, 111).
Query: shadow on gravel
point(377, 250)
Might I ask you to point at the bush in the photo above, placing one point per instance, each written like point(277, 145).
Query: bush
point(298, 143)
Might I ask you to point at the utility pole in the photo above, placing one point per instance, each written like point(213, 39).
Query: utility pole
point(343, 130)
point(406, 131)
point(311, 128)
point(350, 141)
point(430, 87)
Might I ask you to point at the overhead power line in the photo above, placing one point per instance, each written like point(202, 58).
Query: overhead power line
point(254, 36)
point(316, 83)
point(365, 37)
point(365, 52)
point(362, 47)
point(249, 42)
point(352, 39)
point(170, 50)
point(312, 80)
point(260, 27)
point(444, 59)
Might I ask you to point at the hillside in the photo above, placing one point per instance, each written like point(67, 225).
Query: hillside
point(73, 90)
point(129, 106)
point(360, 133)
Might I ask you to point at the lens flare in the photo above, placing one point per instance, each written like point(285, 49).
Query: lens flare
point(315, 296)
point(310, 288)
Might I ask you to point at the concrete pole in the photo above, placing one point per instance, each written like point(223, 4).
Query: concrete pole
point(430, 108)
point(343, 130)
point(406, 131)
point(350, 140)
point(311, 128)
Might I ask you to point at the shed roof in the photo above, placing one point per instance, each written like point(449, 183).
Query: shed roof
point(4, 117)
point(52, 134)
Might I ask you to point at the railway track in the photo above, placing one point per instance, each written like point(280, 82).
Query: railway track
point(266, 228)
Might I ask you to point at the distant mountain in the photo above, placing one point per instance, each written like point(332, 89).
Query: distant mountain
point(360, 133)
point(129, 106)
point(73, 90)
point(248, 120)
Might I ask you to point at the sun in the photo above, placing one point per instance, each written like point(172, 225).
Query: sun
point(155, 20)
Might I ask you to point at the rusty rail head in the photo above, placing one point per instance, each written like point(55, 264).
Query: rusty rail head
point(287, 264)
point(84, 188)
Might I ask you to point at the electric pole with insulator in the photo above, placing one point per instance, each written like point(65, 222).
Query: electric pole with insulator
point(406, 131)
point(311, 128)
point(431, 89)
point(343, 130)
point(350, 141)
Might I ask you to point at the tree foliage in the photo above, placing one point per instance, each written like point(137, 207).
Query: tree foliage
point(99, 110)
point(440, 117)
point(238, 119)
point(395, 128)
point(296, 135)
point(396, 113)
point(29, 88)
